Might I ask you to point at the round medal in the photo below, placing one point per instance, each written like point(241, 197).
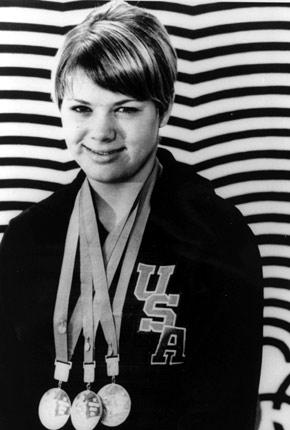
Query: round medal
point(54, 409)
point(116, 404)
point(86, 410)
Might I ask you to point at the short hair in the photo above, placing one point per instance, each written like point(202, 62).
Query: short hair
point(122, 48)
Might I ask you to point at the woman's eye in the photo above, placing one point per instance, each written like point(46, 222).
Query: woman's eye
point(80, 109)
point(127, 109)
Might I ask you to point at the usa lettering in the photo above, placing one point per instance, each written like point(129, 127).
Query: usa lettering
point(171, 346)
point(160, 314)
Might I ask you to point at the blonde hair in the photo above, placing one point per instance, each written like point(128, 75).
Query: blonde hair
point(122, 48)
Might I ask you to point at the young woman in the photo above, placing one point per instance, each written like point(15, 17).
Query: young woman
point(131, 297)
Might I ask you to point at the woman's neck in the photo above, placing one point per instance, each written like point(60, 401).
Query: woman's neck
point(114, 201)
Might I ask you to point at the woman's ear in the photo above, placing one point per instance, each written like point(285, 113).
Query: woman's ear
point(166, 115)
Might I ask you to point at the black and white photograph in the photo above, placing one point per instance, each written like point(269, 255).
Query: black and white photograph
point(144, 215)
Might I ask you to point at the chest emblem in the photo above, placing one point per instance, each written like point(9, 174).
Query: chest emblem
point(160, 310)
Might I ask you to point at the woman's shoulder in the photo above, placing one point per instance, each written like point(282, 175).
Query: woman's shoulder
point(43, 220)
point(193, 212)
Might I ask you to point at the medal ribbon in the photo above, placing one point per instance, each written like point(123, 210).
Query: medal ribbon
point(86, 300)
point(60, 326)
point(98, 267)
point(131, 230)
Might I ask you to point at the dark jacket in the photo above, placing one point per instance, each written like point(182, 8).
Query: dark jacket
point(190, 347)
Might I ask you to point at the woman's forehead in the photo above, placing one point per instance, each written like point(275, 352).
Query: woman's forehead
point(83, 89)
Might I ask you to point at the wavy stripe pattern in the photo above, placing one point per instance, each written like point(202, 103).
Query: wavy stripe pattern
point(230, 122)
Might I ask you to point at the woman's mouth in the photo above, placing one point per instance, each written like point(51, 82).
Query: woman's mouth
point(103, 153)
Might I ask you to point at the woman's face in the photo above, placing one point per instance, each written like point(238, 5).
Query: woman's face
point(110, 135)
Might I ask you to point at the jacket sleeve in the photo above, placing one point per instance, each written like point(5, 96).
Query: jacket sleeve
point(13, 260)
point(226, 380)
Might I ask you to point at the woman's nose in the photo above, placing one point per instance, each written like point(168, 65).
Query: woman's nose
point(102, 127)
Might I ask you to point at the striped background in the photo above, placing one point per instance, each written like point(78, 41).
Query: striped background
point(230, 121)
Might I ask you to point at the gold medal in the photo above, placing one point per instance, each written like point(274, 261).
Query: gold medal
point(116, 404)
point(54, 409)
point(86, 410)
